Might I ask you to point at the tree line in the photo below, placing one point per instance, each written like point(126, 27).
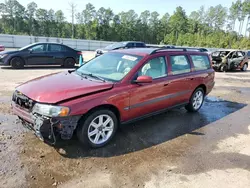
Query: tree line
point(212, 27)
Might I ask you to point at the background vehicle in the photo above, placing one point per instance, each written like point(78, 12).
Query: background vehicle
point(225, 60)
point(41, 54)
point(2, 48)
point(95, 98)
point(248, 55)
point(120, 45)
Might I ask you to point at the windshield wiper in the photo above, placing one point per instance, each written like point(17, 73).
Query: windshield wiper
point(70, 71)
point(94, 76)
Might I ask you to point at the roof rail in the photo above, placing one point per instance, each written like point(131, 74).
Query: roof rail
point(171, 48)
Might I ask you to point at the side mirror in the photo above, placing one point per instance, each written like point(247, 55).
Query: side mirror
point(30, 50)
point(143, 79)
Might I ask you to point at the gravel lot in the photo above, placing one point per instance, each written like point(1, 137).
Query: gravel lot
point(177, 149)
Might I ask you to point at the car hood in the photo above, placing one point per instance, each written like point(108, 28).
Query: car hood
point(103, 50)
point(8, 52)
point(57, 87)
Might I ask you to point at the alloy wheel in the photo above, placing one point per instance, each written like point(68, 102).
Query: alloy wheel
point(100, 129)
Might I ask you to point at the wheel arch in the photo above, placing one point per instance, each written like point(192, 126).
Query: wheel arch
point(18, 57)
point(69, 57)
point(110, 107)
point(203, 86)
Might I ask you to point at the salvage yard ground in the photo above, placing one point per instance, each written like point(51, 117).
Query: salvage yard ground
point(175, 149)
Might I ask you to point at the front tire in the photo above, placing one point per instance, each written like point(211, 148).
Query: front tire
point(223, 68)
point(196, 100)
point(17, 63)
point(97, 129)
point(69, 63)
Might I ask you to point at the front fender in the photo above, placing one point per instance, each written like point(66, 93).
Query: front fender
point(116, 98)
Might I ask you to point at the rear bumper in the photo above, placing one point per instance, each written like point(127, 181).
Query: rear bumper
point(46, 128)
point(210, 86)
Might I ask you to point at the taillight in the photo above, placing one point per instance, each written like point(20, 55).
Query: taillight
point(79, 53)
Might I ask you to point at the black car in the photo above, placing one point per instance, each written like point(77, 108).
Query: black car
point(41, 54)
point(120, 45)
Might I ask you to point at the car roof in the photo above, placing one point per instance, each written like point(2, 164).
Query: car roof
point(48, 43)
point(133, 41)
point(136, 51)
point(148, 51)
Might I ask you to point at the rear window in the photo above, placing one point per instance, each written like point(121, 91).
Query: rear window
point(55, 48)
point(201, 62)
point(180, 64)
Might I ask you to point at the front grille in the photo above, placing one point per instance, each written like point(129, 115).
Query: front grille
point(22, 100)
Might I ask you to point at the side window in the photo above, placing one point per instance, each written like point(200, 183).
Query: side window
point(179, 64)
point(55, 48)
point(155, 68)
point(39, 48)
point(139, 44)
point(239, 54)
point(201, 62)
point(130, 45)
point(234, 55)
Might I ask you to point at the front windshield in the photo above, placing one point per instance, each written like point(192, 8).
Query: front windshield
point(25, 47)
point(110, 66)
point(115, 45)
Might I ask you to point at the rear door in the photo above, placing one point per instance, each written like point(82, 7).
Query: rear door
point(56, 54)
point(180, 81)
point(203, 72)
point(38, 55)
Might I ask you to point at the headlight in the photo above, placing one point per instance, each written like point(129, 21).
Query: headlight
point(51, 111)
point(4, 55)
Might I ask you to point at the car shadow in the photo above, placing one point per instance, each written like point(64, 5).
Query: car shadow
point(154, 131)
point(234, 71)
point(39, 68)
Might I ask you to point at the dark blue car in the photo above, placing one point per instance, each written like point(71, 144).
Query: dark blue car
point(41, 54)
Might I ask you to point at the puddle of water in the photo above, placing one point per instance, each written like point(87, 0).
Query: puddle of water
point(213, 99)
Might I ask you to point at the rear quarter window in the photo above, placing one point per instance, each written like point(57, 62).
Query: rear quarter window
point(201, 62)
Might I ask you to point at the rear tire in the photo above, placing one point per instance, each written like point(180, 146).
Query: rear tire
point(196, 100)
point(17, 63)
point(97, 129)
point(69, 63)
point(244, 68)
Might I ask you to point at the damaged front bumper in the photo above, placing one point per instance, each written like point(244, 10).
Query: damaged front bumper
point(46, 128)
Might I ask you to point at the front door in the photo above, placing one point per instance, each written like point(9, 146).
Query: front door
point(38, 55)
point(151, 97)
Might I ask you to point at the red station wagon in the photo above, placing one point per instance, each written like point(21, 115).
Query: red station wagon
point(116, 88)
